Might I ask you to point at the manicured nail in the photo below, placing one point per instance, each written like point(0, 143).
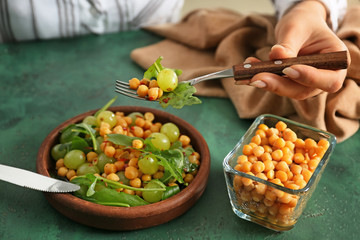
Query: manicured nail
point(277, 46)
point(247, 60)
point(258, 84)
point(291, 73)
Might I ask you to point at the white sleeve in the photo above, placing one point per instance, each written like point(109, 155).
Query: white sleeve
point(38, 19)
point(336, 10)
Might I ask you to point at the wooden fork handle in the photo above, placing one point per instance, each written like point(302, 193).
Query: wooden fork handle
point(331, 61)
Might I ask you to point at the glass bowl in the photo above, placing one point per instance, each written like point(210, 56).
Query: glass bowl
point(263, 202)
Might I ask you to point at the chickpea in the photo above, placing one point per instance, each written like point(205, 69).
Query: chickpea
point(128, 191)
point(185, 140)
point(121, 122)
point(146, 177)
point(109, 168)
point(131, 172)
point(70, 174)
point(128, 120)
point(133, 162)
point(247, 150)
point(62, 171)
point(256, 139)
point(140, 122)
point(137, 143)
point(59, 163)
point(118, 130)
point(145, 82)
point(142, 91)
point(149, 116)
point(134, 83)
point(90, 156)
point(109, 151)
point(137, 131)
point(136, 182)
point(158, 175)
point(153, 93)
point(153, 83)
point(120, 165)
point(113, 177)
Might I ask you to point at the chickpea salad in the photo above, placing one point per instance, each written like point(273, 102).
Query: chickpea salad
point(125, 160)
point(161, 84)
point(278, 155)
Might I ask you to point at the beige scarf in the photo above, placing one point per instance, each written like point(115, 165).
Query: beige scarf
point(208, 40)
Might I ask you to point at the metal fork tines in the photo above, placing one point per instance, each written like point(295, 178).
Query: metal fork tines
point(124, 88)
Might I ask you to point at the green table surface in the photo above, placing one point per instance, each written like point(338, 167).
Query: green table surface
point(45, 83)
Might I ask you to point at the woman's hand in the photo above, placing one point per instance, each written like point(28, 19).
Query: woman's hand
point(302, 31)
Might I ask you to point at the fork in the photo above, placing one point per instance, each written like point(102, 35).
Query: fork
point(124, 87)
point(240, 72)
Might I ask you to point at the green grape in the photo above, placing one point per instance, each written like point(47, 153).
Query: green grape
point(167, 80)
point(90, 120)
point(87, 168)
point(152, 196)
point(160, 141)
point(133, 116)
point(148, 164)
point(56, 153)
point(123, 179)
point(102, 160)
point(99, 140)
point(74, 159)
point(171, 131)
point(106, 116)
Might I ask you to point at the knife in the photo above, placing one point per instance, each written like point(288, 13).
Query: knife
point(240, 72)
point(35, 181)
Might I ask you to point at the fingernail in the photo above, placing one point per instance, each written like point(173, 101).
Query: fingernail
point(247, 60)
point(277, 46)
point(291, 73)
point(258, 84)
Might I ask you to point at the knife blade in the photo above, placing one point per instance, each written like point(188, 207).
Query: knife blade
point(35, 181)
point(245, 71)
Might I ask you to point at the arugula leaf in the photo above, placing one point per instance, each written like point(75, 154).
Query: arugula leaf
point(89, 130)
point(153, 71)
point(149, 146)
point(176, 144)
point(188, 166)
point(175, 172)
point(181, 96)
point(122, 140)
point(170, 191)
point(91, 189)
point(174, 156)
point(171, 160)
point(106, 106)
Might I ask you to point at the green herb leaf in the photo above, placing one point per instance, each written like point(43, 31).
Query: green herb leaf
point(173, 170)
point(175, 156)
point(91, 189)
point(154, 69)
point(170, 191)
point(122, 140)
point(106, 106)
point(181, 96)
point(176, 145)
point(80, 143)
point(90, 131)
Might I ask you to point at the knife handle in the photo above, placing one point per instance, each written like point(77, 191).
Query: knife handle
point(330, 61)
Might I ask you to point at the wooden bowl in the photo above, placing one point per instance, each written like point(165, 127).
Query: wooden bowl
point(127, 218)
